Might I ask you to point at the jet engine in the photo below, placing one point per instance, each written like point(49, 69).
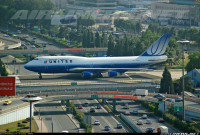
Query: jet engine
point(112, 73)
point(87, 74)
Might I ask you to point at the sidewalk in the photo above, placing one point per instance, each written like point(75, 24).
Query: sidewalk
point(41, 126)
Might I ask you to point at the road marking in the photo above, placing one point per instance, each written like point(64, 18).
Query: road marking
point(128, 76)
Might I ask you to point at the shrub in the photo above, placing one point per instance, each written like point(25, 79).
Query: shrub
point(24, 121)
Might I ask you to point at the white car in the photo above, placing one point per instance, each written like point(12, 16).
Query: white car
point(127, 113)
point(96, 122)
point(140, 122)
point(144, 116)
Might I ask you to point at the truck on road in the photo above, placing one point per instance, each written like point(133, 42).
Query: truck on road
point(141, 92)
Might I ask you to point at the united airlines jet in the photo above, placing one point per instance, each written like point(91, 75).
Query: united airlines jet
point(94, 66)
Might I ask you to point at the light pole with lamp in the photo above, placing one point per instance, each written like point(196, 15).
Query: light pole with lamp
point(31, 98)
point(183, 42)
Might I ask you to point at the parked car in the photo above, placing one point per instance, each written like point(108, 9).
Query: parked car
point(161, 120)
point(119, 125)
point(148, 121)
point(170, 100)
point(139, 122)
point(127, 113)
point(80, 107)
point(178, 99)
point(96, 122)
point(5, 35)
point(7, 102)
point(107, 128)
point(144, 116)
point(149, 130)
point(92, 109)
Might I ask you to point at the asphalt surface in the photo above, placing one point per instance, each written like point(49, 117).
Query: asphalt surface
point(53, 116)
point(135, 117)
point(102, 115)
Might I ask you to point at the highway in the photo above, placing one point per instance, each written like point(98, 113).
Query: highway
point(135, 117)
point(102, 115)
point(53, 115)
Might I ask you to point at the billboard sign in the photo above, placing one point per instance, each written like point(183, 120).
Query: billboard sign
point(7, 86)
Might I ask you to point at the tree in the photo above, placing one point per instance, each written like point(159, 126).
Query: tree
point(110, 46)
point(97, 40)
point(188, 85)
point(166, 82)
point(194, 61)
point(3, 71)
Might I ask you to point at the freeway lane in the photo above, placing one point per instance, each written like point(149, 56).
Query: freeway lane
point(135, 117)
point(102, 115)
point(53, 115)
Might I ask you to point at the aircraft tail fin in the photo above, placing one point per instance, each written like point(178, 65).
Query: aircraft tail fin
point(158, 47)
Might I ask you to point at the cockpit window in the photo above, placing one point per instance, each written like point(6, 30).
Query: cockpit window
point(36, 59)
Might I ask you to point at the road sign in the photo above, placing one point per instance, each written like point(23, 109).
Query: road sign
point(178, 107)
point(7, 86)
point(53, 36)
point(94, 96)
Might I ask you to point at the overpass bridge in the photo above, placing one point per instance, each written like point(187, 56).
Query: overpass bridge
point(72, 51)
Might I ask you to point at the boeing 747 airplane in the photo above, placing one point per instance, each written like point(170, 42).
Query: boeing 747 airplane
point(94, 66)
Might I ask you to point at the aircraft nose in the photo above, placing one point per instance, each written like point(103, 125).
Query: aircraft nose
point(26, 66)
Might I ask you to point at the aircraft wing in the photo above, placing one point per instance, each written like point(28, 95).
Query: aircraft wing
point(106, 69)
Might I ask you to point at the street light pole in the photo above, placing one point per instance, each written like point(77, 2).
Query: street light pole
point(183, 42)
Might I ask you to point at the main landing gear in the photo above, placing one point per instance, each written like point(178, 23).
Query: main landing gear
point(40, 75)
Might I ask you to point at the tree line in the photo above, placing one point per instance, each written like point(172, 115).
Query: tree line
point(3, 71)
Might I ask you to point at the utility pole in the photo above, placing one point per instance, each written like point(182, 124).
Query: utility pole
point(183, 42)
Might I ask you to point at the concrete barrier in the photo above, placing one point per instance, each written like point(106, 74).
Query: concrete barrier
point(15, 115)
point(137, 130)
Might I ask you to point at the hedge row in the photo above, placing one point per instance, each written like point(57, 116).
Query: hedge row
point(79, 115)
point(59, 41)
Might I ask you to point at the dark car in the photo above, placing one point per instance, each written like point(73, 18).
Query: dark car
point(161, 120)
point(107, 128)
point(92, 109)
point(170, 100)
point(159, 96)
point(80, 107)
point(68, 20)
point(98, 106)
point(86, 104)
point(178, 99)
point(119, 125)
point(149, 130)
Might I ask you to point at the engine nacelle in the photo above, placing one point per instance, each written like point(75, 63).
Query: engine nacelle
point(87, 74)
point(112, 73)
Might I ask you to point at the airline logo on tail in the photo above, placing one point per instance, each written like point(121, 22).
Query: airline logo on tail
point(158, 47)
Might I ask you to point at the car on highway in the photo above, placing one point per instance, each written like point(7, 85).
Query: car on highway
point(86, 104)
point(139, 122)
point(7, 102)
point(159, 96)
point(135, 111)
point(107, 128)
point(5, 35)
point(98, 106)
point(65, 131)
point(161, 120)
point(126, 106)
point(80, 107)
point(92, 109)
point(144, 116)
point(148, 121)
point(96, 122)
point(178, 99)
point(127, 113)
point(170, 100)
point(119, 126)
point(19, 31)
point(33, 47)
point(149, 130)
